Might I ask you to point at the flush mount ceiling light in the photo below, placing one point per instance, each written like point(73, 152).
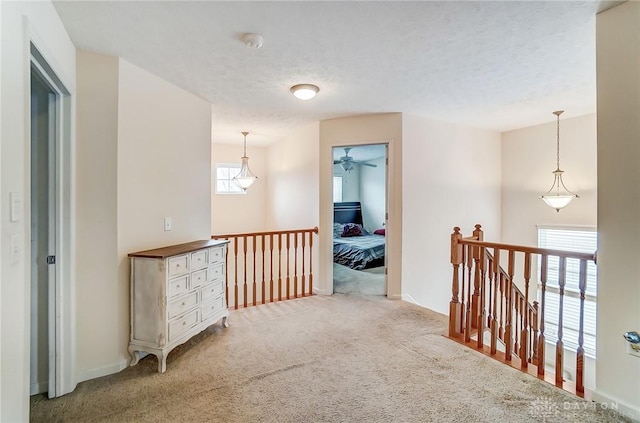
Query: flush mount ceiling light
point(304, 91)
point(245, 178)
point(558, 196)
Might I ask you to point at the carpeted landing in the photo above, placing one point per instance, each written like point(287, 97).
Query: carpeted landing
point(342, 358)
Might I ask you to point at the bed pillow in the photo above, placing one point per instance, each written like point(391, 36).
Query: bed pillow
point(379, 231)
point(337, 230)
point(351, 229)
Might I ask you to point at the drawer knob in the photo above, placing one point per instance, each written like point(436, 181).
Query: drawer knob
point(177, 265)
point(184, 323)
point(183, 303)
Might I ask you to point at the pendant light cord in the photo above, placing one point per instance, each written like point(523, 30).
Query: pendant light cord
point(245, 143)
point(557, 143)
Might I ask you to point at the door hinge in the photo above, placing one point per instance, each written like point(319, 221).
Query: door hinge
point(51, 259)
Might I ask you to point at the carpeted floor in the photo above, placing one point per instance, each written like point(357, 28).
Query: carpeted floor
point(364, 282)
point(343, 358)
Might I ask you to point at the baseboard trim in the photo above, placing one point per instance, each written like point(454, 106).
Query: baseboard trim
point(408, 298)
point(103, 371)
point(38, 388)
point(317, 291)
point(610, 402)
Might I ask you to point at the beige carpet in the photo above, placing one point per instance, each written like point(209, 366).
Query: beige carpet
point(364, 282)
point(343, 358)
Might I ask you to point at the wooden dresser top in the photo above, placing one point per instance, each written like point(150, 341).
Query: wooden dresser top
point(174, 250)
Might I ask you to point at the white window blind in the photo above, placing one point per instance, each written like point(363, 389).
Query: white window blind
point(570, 239)
point(224, 178)
point(337, 189)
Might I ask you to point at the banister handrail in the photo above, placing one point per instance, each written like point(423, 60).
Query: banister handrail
point(249, 234)
point(532, 250)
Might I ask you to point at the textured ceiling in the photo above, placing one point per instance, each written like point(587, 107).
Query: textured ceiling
point(493, 65)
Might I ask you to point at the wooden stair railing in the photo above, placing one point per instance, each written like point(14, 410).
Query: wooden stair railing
point(502, 309)
point(283, 268)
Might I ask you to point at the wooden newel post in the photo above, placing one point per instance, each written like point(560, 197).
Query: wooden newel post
point(455, 307)
point(475, 299)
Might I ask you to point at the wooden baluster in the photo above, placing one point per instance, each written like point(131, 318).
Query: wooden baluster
point(279, 267)
point(490, 297)
point(580, 350)
point(544, 261)
point(288, 266)
point(226, 274)
point(475, 300)
point(235, 287)
point(254, 286)
point(463, 285)
point(516, 323)
point(245, 289)
point(304, 286)
point(494, 320)
point(508, 330)
point(501, 328)
point(534, 333)
point(524, 337)
point(454, 305)
point(468, 319)
point(271, 267)
point(295, 265)
point(263, 281)
point(311, 261)
point(562, 274)
point(484, 263)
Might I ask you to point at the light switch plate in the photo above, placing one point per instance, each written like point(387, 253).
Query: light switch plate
point(15, 199)
point(167, 224)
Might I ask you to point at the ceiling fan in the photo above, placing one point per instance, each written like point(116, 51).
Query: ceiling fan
point(347, 161)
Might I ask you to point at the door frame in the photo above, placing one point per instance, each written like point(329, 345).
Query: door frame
point(61, 290)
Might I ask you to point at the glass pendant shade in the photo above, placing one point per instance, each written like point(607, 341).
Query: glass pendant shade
point(558, 197)
point(245, 178)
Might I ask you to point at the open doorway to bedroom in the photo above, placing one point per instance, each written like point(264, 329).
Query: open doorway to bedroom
point(359, 219)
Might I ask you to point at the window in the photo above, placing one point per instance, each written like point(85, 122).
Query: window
point(224, 178)
point(579, 240)
point(337, 189)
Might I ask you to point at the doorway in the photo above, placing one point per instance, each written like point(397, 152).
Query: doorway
point(360, 219)
point(52, 330)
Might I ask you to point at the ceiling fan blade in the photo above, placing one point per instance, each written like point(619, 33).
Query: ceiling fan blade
point(365, 163)
point(337, 161)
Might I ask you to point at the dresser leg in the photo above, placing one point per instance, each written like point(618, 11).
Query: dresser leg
point(162, 363)
point(134, 356)
point(225, 321)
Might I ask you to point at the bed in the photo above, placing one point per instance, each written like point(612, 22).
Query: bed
point(357, 251)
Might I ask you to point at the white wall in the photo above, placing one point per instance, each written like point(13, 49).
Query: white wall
point(362, 130)
point(240, 213)
point(452, 178)
point(528, 159)
point(21, 22)
point(618, 67)
point(293, 181)
point(373, 194)
point(350, 182)
point(97, 263)
point(164, 170)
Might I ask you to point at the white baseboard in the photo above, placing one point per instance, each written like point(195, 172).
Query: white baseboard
point(322, 291)
point(103, 371)
point(612, 403)
point(408, 298)
point(38, 388)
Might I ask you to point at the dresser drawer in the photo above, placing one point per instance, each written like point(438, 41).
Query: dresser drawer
point(178, 286)
point(212, 290)
point(199, 259)
point(216, 272)
point(212, 307)
point(178, 265)
point(198, 278)
point(216, 255)
point(179, 326)
point(179, 306)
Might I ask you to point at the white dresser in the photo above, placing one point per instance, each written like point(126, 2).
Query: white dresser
point(176, 292)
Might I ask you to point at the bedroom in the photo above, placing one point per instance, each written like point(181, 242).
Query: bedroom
point(359, 198)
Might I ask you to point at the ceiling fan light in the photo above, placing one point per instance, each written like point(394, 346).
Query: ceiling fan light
point(304, 91)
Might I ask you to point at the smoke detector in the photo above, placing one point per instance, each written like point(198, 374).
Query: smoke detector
point(253, 40)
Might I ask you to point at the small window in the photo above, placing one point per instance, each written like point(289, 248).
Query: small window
point(337, 189)
point(224, 178)
point(583, 240)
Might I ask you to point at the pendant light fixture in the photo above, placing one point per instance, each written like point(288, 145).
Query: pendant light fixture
point(245, 178)
point(558, 196)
